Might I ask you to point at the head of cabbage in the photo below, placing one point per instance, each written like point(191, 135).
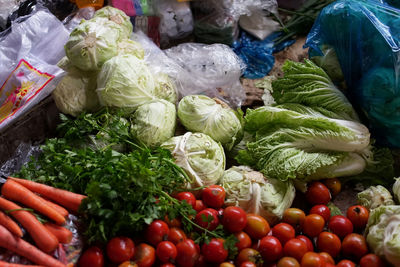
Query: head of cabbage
point(375, 196)
point(154, 122)
point(199, 113)
point(255, 193)
point(165, 87)
point(199, 155)
point(125, 82)
point(116, 16)
point(396, 189)
point(127, 46)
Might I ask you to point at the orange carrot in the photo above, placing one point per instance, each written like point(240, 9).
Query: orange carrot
point(63, 235)
point(58, 208)
point(23, 248)
point(65, 198)
point(17, 192)
point(6, 264)
point(11, 226)
point(45, 240)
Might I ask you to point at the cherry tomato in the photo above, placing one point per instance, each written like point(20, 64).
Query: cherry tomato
point(340, 225)
point(313, 225)
point(247, 264)
point(187, 253)
point(93, 256)
point(188, 197)
point(257, 227)
point(310, 246)
point(120, 249)
point(128, 264)
point(327, 257)
point(284, 232)
point(213, 196)
point(176, 235)
point(328, 264)
point(201, 262)
point(167, 265)
point(166, 251)
point(345, 263)
point(295, 248)
point(207, 218)
point(248, 254)
point(354, 246)
point(226, 264)
point(244, 240)
point(270, 248)
point(199, 205)
point(288, 262)
point(312, 259)
point(358, 215)
point(156, 232)
point(318, 193)
point(172, 223)
point(334, 186)
point(372, 260)
point(214, 251)
point(234, 219)
point(294, 217)
point(330, 243)
point(322, 210)
point(145, 255)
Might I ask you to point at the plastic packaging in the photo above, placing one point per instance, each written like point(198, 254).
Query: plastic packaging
point(28, 58)
point(365, 35)
point(258, 24)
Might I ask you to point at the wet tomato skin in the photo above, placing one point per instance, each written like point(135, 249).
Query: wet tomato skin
point(120, 249)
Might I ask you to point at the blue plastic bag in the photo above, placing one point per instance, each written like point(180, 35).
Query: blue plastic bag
point(365, 35)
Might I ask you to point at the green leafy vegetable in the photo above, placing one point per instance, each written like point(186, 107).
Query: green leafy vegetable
point(375, 196)
point(116, 16)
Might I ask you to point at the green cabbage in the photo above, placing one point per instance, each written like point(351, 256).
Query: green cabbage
point(396, 190)
point(375, 196)
point(199, 113)
point(255, 193)
point(76, 92)
point(116, 16)
point(329, 63)
point(383, 233)
point(92, 43)
point(126, 82)
point(199, 155)
point(127, 46)
point(154, 122)
point(165, 88)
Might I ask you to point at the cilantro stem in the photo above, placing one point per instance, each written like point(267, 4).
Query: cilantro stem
point(21, 209)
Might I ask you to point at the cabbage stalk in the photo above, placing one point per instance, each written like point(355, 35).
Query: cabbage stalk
point(375, 196)
point(199, 155)
point(255, 193)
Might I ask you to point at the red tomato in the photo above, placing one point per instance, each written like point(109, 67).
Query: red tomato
point(234, 219)
point(201, 262)
point(340, 225)
point(327, 257)
point(294, 217)
point(247, 264)
point(167, 265)
point(244, 240)
point(345, 263)
point(310, 246)
point(145, 255)
point(322, 210)
point(358, 215)
point(156, 232)
point(187, 253)
point(176, 235)
point(312, 259)
point(166, 251)
point(288, 262)
point(188, 197)
point(334, 186)
point(93, 256)
point(318, 193)
point(257, 227)
point(226, 264)
point(207, 218)
point(354, 246)
point(213, 196)
point(372, 260)
point(214, 251)
point(128, 264)
point(284, 232)
point(330, 243)
point(295, 248)
point(199, 206)
point(248, 254)
point(313, 225)
point(172, 223)
point(270, 248)
point(328, 264)
point(120, 249)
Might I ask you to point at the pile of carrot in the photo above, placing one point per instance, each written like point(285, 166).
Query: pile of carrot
point(46, 200)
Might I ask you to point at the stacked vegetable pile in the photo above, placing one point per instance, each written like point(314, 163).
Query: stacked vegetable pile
point(140, 178)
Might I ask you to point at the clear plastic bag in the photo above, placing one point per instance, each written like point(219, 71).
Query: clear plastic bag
point(365, 36)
